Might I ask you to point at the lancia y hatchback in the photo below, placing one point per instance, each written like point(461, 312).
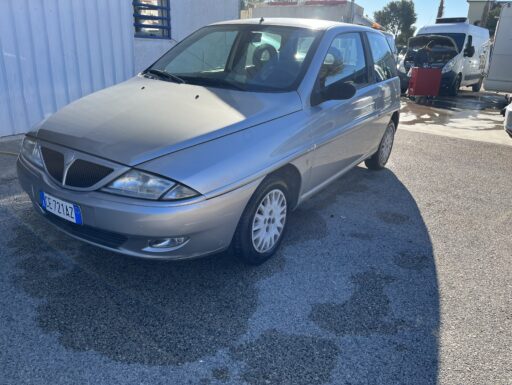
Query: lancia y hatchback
point(218, 141)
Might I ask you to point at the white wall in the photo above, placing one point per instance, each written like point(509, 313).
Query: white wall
point(55, 51)
point(476, 10)
point(339, 12)
point(499, 76)
point(147, 51)
point(186, 17)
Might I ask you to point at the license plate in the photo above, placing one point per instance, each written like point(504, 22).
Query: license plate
point(63, 209)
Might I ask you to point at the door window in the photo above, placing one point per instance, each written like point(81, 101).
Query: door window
point(345, 62)
point(384, 66)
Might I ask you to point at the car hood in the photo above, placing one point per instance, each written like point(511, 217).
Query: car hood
point(142, 119)
point(420, 41)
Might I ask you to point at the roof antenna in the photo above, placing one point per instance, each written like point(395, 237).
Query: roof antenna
point(262, 20)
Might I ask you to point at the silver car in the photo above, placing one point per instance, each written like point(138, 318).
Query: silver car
point(218, 141)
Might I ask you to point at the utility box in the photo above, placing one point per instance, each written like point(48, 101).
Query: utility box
point(425, 81)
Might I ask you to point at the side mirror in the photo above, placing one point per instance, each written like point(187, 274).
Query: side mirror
point(469, 52)
point(335, 91)
point(470, 49)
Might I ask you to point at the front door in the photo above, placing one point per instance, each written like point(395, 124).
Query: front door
point(346, 131)
point(337, 124)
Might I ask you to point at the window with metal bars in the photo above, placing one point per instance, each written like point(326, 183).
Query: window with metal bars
point(152, 19)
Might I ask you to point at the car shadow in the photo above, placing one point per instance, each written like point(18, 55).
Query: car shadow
point(351, 297)
point(466, 100)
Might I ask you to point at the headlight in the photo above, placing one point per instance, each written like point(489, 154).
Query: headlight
point(180, 192)
point(30, 151)
point(448, 66)
point(139, 184)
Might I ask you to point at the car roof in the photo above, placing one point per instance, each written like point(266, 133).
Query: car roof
point(454, 28)
point(296, 22)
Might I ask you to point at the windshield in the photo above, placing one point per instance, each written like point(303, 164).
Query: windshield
point(459, 38)
point(242, 57)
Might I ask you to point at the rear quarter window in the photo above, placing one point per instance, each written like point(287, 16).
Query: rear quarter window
point(384, 65)
point(392, 45)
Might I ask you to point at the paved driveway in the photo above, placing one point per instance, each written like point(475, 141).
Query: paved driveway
point(394, 277)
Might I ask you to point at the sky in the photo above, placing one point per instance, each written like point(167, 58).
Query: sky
point(426, 9)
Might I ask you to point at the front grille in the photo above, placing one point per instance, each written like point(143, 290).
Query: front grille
point(88, 233)
point(54, 162)
point(80, 174)
point(85, 174)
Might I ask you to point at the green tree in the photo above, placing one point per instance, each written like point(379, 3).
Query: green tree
point(398, 18)
point(440, 10)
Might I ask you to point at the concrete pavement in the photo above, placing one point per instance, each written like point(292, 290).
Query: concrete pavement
point(394, 277)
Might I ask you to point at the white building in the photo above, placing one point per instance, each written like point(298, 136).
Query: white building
point(477, 11)
point(335, 10)
point(55, 51)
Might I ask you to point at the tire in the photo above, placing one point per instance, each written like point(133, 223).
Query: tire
point(378, 160)
point(454, 90)
point(478, 86)
point(245, 241)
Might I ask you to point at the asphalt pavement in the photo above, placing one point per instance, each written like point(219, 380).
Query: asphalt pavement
point(402, 276)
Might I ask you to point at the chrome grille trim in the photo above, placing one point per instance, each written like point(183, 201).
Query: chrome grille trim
point(106, 171)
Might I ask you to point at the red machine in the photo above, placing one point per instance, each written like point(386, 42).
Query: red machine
point(425, 81)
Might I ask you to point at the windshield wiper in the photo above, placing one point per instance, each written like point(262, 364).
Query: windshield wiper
point(216, 82)
point(165, 75)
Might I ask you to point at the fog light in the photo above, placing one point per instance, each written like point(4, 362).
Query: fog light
point(164, 244)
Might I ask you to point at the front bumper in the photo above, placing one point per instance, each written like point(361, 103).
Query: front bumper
point(448, 81)
point(127, 225)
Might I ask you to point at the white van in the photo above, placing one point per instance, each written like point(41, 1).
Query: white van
point(458, 48)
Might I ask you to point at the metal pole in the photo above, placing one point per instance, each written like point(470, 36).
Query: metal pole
point(352, 11)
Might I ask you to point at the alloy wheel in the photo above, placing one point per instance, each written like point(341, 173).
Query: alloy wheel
point(269, 220)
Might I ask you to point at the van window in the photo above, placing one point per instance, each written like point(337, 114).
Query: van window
point(345, 61)
point(384, 65)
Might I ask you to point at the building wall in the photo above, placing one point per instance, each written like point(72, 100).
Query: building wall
point(186, 17)
point(476, 10)
point(55, 51)
point(340, 12)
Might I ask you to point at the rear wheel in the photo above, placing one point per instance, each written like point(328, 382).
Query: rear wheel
point(261, 228)
point(380, 158)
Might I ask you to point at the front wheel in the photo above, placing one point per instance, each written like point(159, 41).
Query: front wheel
point(478, 86)
point(454, 90)
point(261, 228)
point(380, 158)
